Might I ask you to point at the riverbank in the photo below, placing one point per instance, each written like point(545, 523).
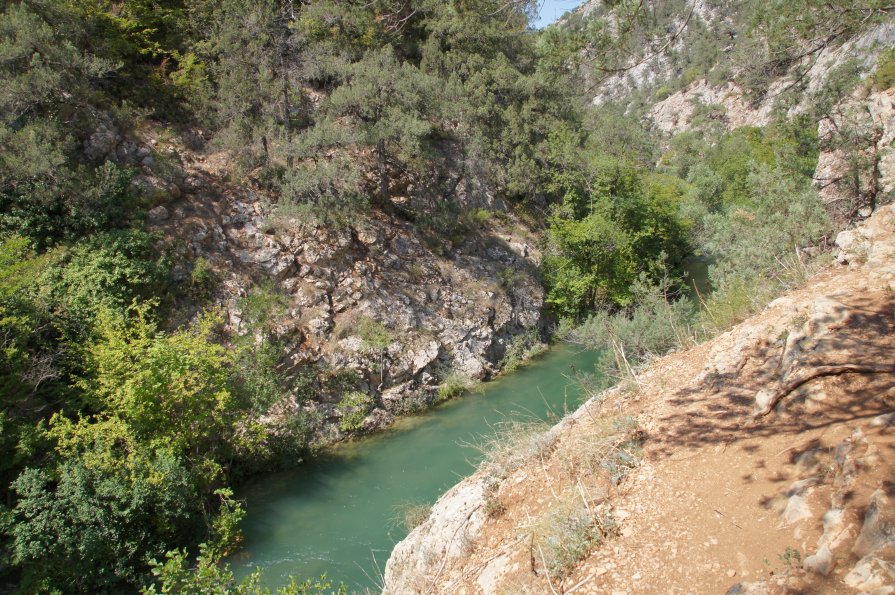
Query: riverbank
point(716, 496)
point(337, 514)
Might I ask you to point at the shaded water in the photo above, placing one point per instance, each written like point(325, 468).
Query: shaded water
point(337, 514)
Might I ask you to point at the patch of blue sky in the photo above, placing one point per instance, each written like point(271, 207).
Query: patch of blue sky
point(551, 10)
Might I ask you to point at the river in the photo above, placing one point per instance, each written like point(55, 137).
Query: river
point(336, 515)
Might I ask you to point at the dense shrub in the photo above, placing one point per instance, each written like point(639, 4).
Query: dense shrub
point(104, 272)
point(884, 76)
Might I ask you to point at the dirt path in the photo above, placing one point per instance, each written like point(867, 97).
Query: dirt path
point(727, 500)
point(721, 498)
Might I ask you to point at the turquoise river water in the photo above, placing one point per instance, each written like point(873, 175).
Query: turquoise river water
point(337, 514)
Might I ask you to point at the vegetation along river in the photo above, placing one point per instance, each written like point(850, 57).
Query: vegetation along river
point(337, 514)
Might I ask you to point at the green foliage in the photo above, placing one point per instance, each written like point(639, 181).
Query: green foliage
point(884, 76)
point(250, 50)
point(49, 200)
point(261, 305)
point(410, 515)
point(19, 314)
point(513, 443)
point(105, 272)
point(567, 532)
point(655, 324)
point(353, 410)
point(521, 349)
point(791, 557)
point(452, 386)
point(40, 67)
point(327, 191)
point(212, 576)
point(590, 263)
point(256, 376)
point(375, 336)
point(134, 472)
point(263, 388)
point(616, 218)
point(84, 527)
point(783, 213)
point(168, 389)
point(225, 532)
point(507, 277)
point(202, 279)
point(718, 169)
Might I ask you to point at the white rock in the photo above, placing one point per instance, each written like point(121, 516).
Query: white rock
point(820, 562)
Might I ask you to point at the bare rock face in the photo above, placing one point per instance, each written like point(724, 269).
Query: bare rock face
point(454, 523)
point(871, 244)
point(673, 113)
point(101, 144)
point(440, 312)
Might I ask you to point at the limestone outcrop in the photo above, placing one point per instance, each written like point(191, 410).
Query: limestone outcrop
point(442, 309)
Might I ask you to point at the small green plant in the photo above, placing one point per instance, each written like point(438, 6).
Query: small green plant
point(662, 93)
point(494, 506)
point(225, 526)
point(376, 339)
point(375, 335)
point(202, 279)
point(453, 385)
point(353, 409)
point(521, 349)
point(513, 443)
point(567, 531)
point(610, 448)
point(508, 277)
point(479, 217)
point(262, 305)
point(622, 460)
point(884, 77)
point(416, 272)
point(791, 557)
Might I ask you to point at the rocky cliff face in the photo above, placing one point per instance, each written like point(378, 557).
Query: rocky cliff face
point(439, 309)
point(674, 113)
point(847, 178)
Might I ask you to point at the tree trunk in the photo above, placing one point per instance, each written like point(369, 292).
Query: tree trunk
point(287, 122)
point(383, 172)
point(818, 372)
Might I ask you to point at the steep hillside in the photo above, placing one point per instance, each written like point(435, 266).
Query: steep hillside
point(697, 65)
point(441, 310)
point(694, 477)
point(232, 232)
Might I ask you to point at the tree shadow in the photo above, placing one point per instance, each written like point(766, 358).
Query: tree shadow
point(719, 409)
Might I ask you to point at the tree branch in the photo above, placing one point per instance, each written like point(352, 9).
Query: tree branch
point(821, 371)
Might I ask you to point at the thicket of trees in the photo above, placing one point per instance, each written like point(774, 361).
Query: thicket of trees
point(123, 433)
